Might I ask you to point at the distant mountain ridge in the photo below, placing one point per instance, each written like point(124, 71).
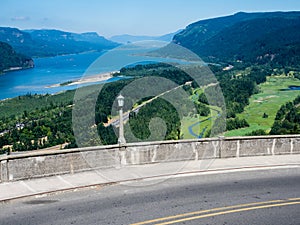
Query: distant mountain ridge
point(127, 38)
point(41, 43)
point(252, 37)
point(10, 60)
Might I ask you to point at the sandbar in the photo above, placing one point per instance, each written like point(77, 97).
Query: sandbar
point(87, 79)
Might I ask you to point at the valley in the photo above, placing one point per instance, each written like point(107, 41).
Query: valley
point(253, 57)
point(271, 97)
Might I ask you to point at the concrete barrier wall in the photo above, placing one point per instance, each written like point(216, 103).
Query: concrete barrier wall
point(31, 165)
point(47, 163)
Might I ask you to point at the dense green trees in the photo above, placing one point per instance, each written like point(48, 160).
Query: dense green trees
point(202, 98)
point(256, 38)
point(259, 132)
point(167, 71)
point(236, 123)
point(287, 119)
point(158, 108)
point(9, 58)
point(35, 121)
point(39, 128)
point(15, 107)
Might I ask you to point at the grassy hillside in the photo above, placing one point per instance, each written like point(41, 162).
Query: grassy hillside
point(29, 102)
point(253, 37)
point(255, 45)
point(273, 94)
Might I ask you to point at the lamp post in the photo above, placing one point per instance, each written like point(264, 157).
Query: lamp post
point(121, 139)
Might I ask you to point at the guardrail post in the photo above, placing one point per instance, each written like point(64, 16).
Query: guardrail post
point(122, 154)
point(4, 170)
point(221, 142)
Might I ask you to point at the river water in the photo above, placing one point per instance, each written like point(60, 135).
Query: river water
point(47, 71)
point(60, 69)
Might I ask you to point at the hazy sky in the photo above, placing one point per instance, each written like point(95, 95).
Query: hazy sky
point(138, 17)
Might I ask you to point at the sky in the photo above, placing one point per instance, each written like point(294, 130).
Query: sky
point(136, 17)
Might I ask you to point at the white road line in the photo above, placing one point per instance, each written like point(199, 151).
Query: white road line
point(66, 182)
point(27, 186)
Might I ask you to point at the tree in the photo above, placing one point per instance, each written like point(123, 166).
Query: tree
point(202, 98)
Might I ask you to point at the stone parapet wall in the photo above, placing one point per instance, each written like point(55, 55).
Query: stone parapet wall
point(40, 164)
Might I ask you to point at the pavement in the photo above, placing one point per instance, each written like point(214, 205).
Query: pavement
point(131, 175)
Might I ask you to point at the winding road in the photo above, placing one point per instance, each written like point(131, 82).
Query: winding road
point(269, 197)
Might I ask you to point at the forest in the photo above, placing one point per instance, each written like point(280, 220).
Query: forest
point(254, 58)
point(287, 119)
point(42, 121)
point(9, 58)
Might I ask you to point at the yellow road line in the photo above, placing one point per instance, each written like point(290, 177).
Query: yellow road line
point(228, 212)
point(294, 199)
point(208, 210)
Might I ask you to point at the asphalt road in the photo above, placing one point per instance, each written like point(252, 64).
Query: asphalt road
point(266, 197)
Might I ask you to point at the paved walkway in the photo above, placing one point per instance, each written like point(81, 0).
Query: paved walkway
point(131, 175)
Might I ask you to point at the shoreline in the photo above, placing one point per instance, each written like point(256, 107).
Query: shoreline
point(87, 79)
point(17, 68)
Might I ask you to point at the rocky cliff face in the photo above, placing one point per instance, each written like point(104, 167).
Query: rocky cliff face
point(10, 60)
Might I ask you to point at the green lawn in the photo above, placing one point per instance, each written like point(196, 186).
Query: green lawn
point(267, 101)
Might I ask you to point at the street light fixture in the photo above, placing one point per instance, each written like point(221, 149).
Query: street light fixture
point(120, 99)
point(121, 139)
